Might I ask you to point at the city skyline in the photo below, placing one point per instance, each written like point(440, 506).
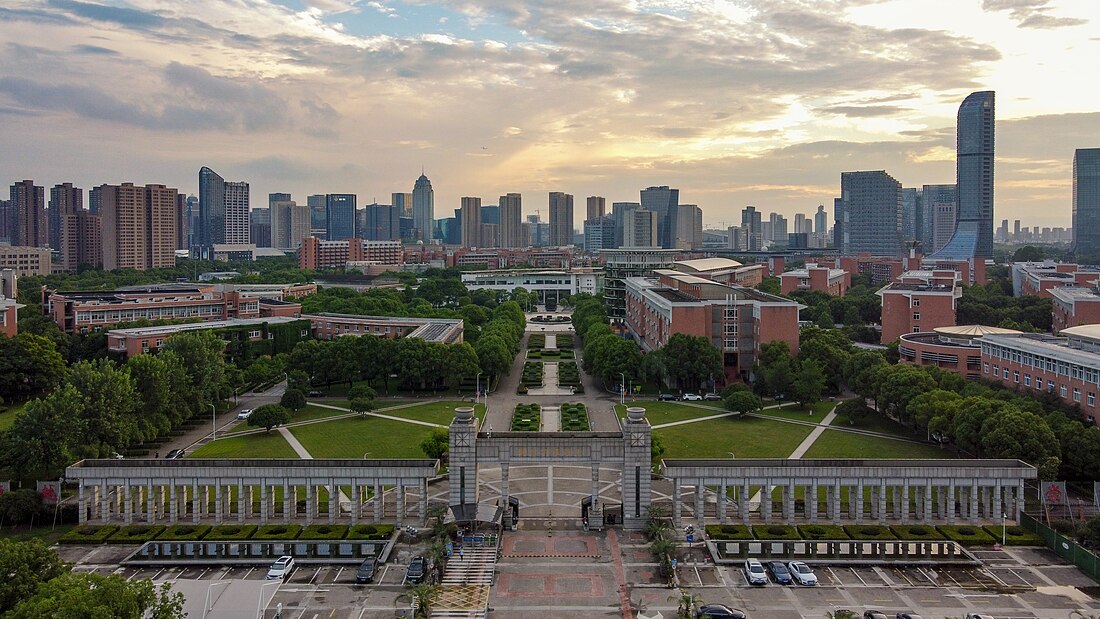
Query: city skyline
point(765, 108)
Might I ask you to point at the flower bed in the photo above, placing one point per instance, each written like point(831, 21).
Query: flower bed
point(230, 532)
point(574, 418)
point(532, 374)
point(822, 531)
point(89, 534)
point(370, 531)
point(324, 531)
point(527, 418)
point(185, 532)
point(569, 375)
point(135, 534)
point(550, 354)
point(536, 341)
point(278, 531)
point(727, 532)
point(967, 535)
point(1014, 536)
point(916, 532)
point(565, 340)
point(775, 531)
point(869, 532)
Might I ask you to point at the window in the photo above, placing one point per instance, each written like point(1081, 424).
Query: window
point(1027, 379)
point(1091, 399)
point(985, 368)
point(1076, 394)
point(997, 371)
point(916, 302)
point(1015, 376)
point(1062, 391)
point(916, 329)
point(916, 315)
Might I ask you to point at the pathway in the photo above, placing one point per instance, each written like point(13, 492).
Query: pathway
point(551, 341)
point(303, 453)
point(808, 442)
point(551, 419)
point(464, 589)
point(550, 382)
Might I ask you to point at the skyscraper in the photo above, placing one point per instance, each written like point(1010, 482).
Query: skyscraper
point(275, 218)
point(382, 222)
point(753, 228)
point(403, 202)
point(423, 207)
point(821, 220)
point(316, 204)
point(29, 208)
point(664, 202)
point(778, 228)
point(74, 232)
point(471, 221)
point(618, 213)
point(340, 216)
point(1086, 204)
point(599, 233)
point(64, 199)
point(640, 228)
point(597, 207)
point(561, 219)
point(911, 219)
point(223, 210)
point(511, 220)
point(689, 226)
point(259, 226)
point(973, 235)
point(139, 226)
point(940, 204)
point(872, 213)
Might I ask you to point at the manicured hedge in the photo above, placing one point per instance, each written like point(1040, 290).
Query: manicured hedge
point(370, 531)
point(775, 531)
point(536, 341)
point(565, 340)
point(527, 418)
point(278, 531)
point(532, 374)
point(184, 532)
point(135, 534)
point(550, 354)
point(89, 534)
point(574, 418)
point(967, 535)
point(725, 532)
point(822, 531)
point(1014, 536)
point(869, 532)
point(230, 532)
point(916, 532)
point(324, 531)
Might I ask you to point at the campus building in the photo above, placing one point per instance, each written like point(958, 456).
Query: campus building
point(834, 282)
point(621, 264)
point(1040, 278)
point(327, 326)
point(1072, 307)
point(1067, 365)
point(316, 254)
point(953, 349)
point(735, 319)
point(9, 309)
point(270, 335)
point(919, 301)
point(723, 271)
point(25, 260)
point(547, 284)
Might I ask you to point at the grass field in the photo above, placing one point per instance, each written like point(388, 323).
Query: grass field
point(267, 445)
point(666, 412)
point(794, 411)
point(751, 437)
point(880, 423)
point(351, 438)
point(834, 444)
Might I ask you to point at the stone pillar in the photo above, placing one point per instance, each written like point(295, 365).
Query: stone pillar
point(290, 500)
point(700, 505)
point(882, 503)
point(595, 484)
point(399, 503)
point(789, 502)
point(998, 500)
point(150, 503)
point(194, 502)
point(743, 502)
point(424, 502)
point(637, 462)
point(82, 515)
point(378, 506)
point(766, 500)
point(463, 459)
point(987, 495)
point(309, 503)
point(1019, 500)
point(218, 507)
point(951, 503)
point(129, 500)
point(504, 492)
point(720, 504)
point(836, 502)
point(904, 502)
point(333, 501)
point(811, 502)
point(356, 500)
point(874, 502)
point(859, 502)
point(676, 503)
point(173, 504)
point(104, 502)
point(265, 498)
point(240, 502)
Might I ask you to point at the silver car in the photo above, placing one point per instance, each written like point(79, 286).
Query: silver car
point(754, 572)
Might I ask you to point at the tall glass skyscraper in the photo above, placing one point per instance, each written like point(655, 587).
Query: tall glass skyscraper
point(423, 207)
point(666, 203)
point(1086, 204)
point(974, 179)
point(339, 216)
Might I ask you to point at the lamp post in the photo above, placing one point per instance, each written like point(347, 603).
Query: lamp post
point(477, 394)
point(1004, 529)
point(214, 420)
point(622, 388)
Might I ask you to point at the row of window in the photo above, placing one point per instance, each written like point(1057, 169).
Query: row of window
point(1046, 364)
point(1062, 390)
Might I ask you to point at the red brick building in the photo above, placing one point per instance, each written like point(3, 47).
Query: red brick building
point(316, 254)
point(736, 320)
point(835, 282)
point(919, 301)
point(1041, 278)
point(1073, 307)
point(954, 349)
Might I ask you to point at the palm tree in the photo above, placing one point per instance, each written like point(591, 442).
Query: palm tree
point(686, 603)
point(420, 597)
point(662, 550)
point(437, 556)
point(841, 613)
point(656, 525)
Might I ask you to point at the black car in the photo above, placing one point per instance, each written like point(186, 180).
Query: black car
point(779, 572)
point(719, 611)
point(315, 394)
point(417, 569)
point(908, 616)
point(365, 573)
point(174, 454)
point(874, 614)
point(667, 397)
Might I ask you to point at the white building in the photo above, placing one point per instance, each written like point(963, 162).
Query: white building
point(548, 284)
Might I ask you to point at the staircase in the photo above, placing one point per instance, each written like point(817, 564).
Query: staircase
point(464, 590)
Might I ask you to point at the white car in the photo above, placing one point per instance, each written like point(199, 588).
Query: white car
point(280, 570)
point(754, 572)
point(692, 397)
point(802, 573)
point(244, 413)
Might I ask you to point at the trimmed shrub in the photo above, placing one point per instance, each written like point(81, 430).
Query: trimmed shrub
point(916, 532)
point(135, 534)
point(565, 340)
point(527, 418)
point(967, 535)
point(1014, 536)
point(822, 532)
point(536, 341)
point(278, 531)
point(574, 418)
point(725, 532)
point(185, 532)
point(775, 531)
point(88, 534)
point(324, 531)
point(230, 532)
point(371, 531)
point(869, 532)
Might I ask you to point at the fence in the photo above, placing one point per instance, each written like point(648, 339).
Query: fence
point(1066, 548)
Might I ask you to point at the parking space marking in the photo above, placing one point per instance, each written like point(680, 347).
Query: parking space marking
point(338, 573)
point(856, 574)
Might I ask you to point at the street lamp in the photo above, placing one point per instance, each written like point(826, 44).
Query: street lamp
point(622, 388)
point(477, 394)
point(365, 454)
point(1004, 529)
point(732, 457)
point(214, 419)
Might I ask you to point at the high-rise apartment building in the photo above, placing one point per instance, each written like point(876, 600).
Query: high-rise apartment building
point(64, 199)
point(778, 228)
point(689, 227)
point(340, 216)
point(79, 232)
point(259, 227)
point(821, 220)
point(471, 222)
point(911, 219)
point(223, 210)
point(382, 222)
point(138, 226)
point(939, 204)
point(423, 207)
point(753, 228)
point(871, 213)
point(29, 204)
point(597, 207)
point(618, 213)
point(599, 234)
point(640, 228)
point(802, 225)
point(7, 221)
point(511, 220)
point(1086, 202)
point(561, 219)
point(277, 224)
point(290, 223)
point(973, 235)
point(663, 201)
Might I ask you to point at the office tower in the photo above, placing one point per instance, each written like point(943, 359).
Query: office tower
point(223, 210)
point(279, 228)
point(663, 201)
point(7, 221)
point(561, 219)
point(471, 222)
point(316, 204)
point(403, 202)
point(423, 210)
point(802, 225)
point(191, 208)
point(940, 204)
point(821, 220)
point(1015, 229)
point(1002, 232)
point(597, 207)
point(640, 228)
point(64, 199)
point(510, 207)
point(753, 228)
point(29, 204)
point(490, 214)
point(138, 226)
point(689, 227)
point(1086, 203)
point(778, 228)
point(237, 209)
point(259, 227)
point(872, 213)
point(973, 235)
point(618, 213)
point(182, 232)
point(910, 213)
point(599, 233)
point(382, 222)
point(340, 216)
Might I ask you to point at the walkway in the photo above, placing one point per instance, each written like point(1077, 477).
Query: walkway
point(464, 590)
point(808, 442)
point(551, 419)
point(549, 382)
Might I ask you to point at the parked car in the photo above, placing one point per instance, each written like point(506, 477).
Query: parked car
point(719, 611)
point(978, 616)
point(174, 454)
point(754, 572)
point(281, 569)
point(691, 397)
point(712, 396)
point(367, 568)
point(315, 394)
point(244, 413)
point(874, 614)
point(779, 572)
point(666, 397)
point(417, 569)
point(908, 616)
point(802, 574)
point(117, 456)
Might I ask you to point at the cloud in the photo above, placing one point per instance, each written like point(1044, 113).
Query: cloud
point(122, 16)
point(93, 49)
point(863, 111)
point(1032, 13)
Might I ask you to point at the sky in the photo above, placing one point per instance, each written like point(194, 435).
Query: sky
point(734, 102)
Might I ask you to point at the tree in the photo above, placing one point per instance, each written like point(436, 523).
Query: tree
point(362, 406)
point(29, 366)
point(773, 369)
point(855, 411)
point(830, 349)
point(460, 361)
point(493, 355)
point(20, 506)
point(40, 443)
point(656, 447)
point(808, 384)
point(96, 596)
point(1014, 434)
point(691, 359)
point(900, 384)
point(932, 404)
point(859, 372)
point(269, 416)
point(742, 402)
point(618, 356)
point(436, 445)
point(200, 353)
point(25, 565)
point(109, 405)
point(293, 400)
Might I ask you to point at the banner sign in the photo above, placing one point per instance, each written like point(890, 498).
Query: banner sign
point(50, 491)
point(1053, 493)
point(4, 487)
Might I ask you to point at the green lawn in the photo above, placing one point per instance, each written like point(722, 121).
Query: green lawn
point(796, 412)
point(751, 437)
point(267, 445)
point(432, 412)
point(7, 418)
point(834, 444)
point(880, 423)
point(666, 412)
point(351, 438)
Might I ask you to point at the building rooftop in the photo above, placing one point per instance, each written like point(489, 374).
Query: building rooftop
point(806, 272)
point(1070, 294)
point(199, 326)
point(704, 265)
point(1090, 332)
point(973, 331)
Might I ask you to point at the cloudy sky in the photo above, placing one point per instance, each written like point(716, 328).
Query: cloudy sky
point(734, 102)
